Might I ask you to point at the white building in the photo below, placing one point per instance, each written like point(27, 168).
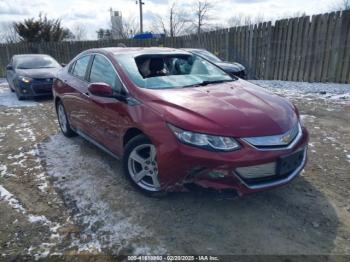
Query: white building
point(117, 24)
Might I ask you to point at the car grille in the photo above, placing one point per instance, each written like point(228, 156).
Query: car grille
point(272, 171)
point(263, 170)
point(42, 85)
point(286, 140)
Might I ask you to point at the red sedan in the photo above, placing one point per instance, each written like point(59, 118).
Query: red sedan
point(177, 119)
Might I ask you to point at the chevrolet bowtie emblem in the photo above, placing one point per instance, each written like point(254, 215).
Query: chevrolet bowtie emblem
point(285, 138)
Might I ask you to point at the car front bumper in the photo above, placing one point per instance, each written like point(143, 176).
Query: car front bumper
point(180, 164)
point(36, 88)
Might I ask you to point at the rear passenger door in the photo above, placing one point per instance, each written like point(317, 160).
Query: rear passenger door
point(77, 101)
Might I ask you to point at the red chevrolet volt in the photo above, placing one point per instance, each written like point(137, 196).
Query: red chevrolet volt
point(176, 119)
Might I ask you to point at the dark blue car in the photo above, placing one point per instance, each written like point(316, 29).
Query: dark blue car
point(31, 75)
point(234, 68)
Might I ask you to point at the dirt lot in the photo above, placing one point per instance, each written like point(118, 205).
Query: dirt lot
point(65, 196)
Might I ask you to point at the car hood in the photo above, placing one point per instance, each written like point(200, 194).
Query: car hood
point(238, 109)
point(38, 73)
point(232, 67)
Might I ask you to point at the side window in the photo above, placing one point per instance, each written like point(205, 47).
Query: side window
point(103, 71)
point(80, 67)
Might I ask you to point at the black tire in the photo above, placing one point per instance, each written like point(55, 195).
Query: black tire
point(129, 148)
point(19, 96)
point(66, 129)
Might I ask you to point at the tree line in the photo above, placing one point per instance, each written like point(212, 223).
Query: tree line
point(175, 22)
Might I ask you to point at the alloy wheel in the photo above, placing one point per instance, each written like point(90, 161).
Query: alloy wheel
point(143, 168)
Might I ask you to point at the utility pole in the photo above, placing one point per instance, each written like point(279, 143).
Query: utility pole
point(141, 15)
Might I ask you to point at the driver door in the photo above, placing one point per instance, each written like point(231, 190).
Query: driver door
point(109, 115)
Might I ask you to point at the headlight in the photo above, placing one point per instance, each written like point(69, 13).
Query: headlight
point(25, 79)
point(210, 142)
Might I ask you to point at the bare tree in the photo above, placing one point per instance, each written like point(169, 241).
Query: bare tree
point(236, 20)
point(8, 33)
point(340, 5)
point(174, 23)
point(159, 25)
point(127, 28)
point(242, 19)
point(79, 31)
point(202, 11)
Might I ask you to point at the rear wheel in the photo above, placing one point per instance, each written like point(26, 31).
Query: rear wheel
point(140, 165)
point(63, 120)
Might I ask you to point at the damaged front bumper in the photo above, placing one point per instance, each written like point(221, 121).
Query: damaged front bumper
point(221, 170)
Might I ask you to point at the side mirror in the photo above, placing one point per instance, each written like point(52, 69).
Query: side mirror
point(63, 64)
point(9, 67)
point(101, 89)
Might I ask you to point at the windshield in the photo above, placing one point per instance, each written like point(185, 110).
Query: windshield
point(207, 55)
point(35, 62)
point(159, 71)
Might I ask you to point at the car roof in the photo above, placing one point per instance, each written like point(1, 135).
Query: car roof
point(194, 49)
point(138, 50)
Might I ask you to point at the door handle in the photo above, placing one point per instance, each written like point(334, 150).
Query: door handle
point(87, 94)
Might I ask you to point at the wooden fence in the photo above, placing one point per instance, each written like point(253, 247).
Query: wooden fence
point(313, 49)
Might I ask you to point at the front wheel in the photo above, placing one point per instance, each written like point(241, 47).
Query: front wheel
point(140, 165)
point(19, 96)
point(63, 120)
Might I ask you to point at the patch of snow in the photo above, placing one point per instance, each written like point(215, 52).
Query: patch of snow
point(43, 186)
point(4, 172)
point(44, 249)
point(92, 246)
point(11, 200)
point(331, 139)
point(25, 131)
point(6, 196)
point(35, 219)
point(307, 118)
point(20, 155)
point(9, 99)
point(102, 226)
point(308, 91)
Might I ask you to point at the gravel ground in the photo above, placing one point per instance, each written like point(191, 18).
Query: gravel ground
point(64, 196)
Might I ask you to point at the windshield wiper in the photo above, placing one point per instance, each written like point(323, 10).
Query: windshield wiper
point(206, 82)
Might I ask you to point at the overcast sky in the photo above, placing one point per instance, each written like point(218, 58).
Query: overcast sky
point(94, 14)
